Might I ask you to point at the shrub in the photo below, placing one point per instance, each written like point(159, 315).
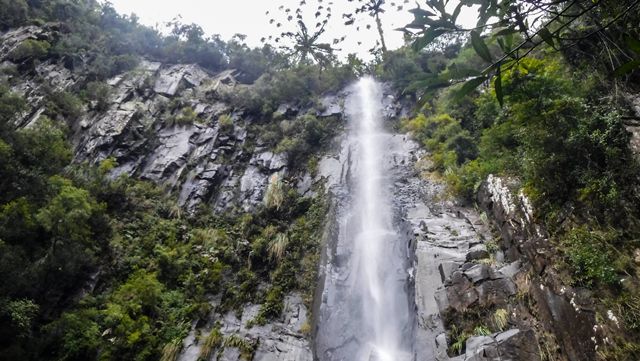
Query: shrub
point(590, 256)
point(30, 49)
point(226, 123)
point(14, 13)
point(66, 104)
point(20, 313)
point(99, 93)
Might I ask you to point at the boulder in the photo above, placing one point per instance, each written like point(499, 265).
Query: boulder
point(512, 345)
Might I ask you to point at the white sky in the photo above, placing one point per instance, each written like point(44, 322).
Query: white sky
point(229, 17)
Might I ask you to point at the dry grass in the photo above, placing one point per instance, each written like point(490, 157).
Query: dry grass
point(501, 319)
point(171, 351)
point(213, 341)
point(278, 246)
point(274, 198)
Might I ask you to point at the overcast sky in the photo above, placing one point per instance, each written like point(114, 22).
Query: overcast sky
point(229, 17)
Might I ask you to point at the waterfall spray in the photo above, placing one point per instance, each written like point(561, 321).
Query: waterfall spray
point(378, 280)
point(364, 312)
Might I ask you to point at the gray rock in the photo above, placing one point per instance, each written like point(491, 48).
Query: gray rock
point(477, 252)
point(446, 269)
point(477, 273)
point(512, 345)
point(331, 105)
point(229, 354)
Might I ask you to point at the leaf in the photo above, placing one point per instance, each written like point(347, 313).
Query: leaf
point(456, 12)
point(429, 36)
point(427, 82)
point(497, 83)
point(505, 31)
point(546, 35)
point(627, 67)
point(632, 43)
point(468, 87)
point(456, 71)
point(480, 47)
point(418, 12)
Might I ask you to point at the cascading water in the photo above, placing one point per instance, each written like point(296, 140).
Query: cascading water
point(365, 313)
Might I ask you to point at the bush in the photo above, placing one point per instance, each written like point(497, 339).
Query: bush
point(99, 93)
point(590, 255)
point(14, 13)
point(30, 49)
point(226, 123)
point(65, 104)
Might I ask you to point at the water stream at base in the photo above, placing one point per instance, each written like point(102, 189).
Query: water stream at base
point(365, 313)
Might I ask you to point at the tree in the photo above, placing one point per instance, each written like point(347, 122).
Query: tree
point(374, 8)
point(303, 44)
point(14, 13)
point(532, 23)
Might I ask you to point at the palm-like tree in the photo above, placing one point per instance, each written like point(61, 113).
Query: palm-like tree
point(307, 46)
point(374, 8)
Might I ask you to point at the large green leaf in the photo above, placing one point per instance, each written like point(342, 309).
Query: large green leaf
point(456, 12)
point(497, 83)
point(456, 71)
point(633, 43)
point(627, 67)
point(546, 35)
point(429, 36)
point(468, 87)
point(480, 47)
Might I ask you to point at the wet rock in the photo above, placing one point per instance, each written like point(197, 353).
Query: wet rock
point(230, 354)
point(477, 252)
point(495, 292)
point(568, 312)
point(512, 345)
point(169, 79)
point(286, 110)
point(511, 269)
point(278, 340)
point(559, 308)
point(269, 161)
point(331, 105)
point(446, 269)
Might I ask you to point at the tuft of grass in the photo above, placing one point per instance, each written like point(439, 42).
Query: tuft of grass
point(274, 198)
point(171, 351)
point(278, 246)
point(501, 318)
point(212, 342)
point(459, 339)
point(246, 347)
point(481, 330)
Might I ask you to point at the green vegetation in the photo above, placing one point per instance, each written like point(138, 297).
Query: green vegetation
point(155, 266)
point(552, 116)
point(226, 123)
point(30, 49)
point(93, 267)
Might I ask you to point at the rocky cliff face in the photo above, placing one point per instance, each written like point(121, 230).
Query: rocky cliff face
point(553, 308)
point(162, 123)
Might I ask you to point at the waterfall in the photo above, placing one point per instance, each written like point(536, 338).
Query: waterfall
point(379, 278)
point(365, 312)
